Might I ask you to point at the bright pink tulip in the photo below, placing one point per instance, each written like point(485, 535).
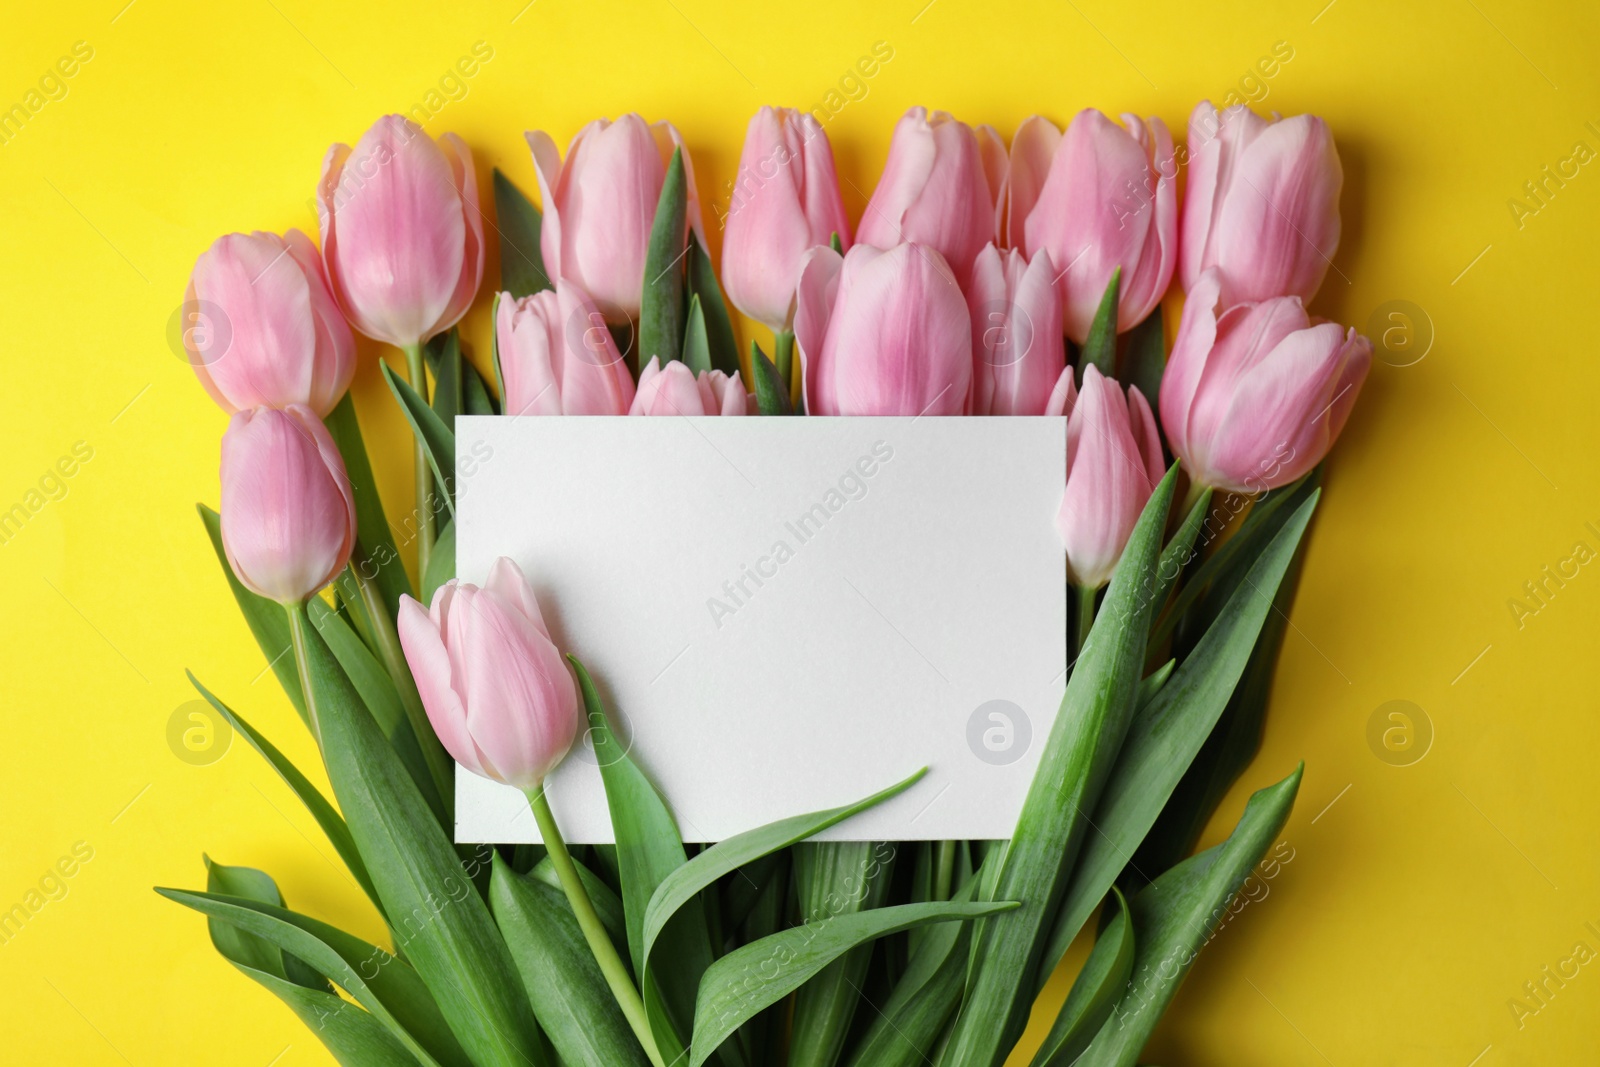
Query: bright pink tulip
point(1106, 200)
point(1262, 205)
point(883, 333)
point(1017, 347)
point(936, 189)
point(267, 332)
point(493, 683)
point(1253, 397)
point(675, 390)
point(288, 519)
point(785, 202)
point(402, 235)
point(1113, 465)
point(557, 356)
point(600, 203)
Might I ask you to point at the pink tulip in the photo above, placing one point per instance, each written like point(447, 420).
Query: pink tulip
point(1254, 397)
point(938, 189)
point(1262, 205)
point(402, 235)
point(1113, 465)
point(675, 390)
point(266, 331)
point(493, 683)
point(288, 519)
point(557, 357)
point(600, 203)
point(1018, 352)
point(785, 202)
point(1106, 200)
point(883, 333)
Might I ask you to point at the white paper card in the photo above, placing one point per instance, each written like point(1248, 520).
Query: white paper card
point(785, 614)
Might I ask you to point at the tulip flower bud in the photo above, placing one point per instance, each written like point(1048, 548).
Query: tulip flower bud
point(557, 357)
point(1262, 205)
point(402, 236)
point(281, 340)
point(492, 682)
point(288, 519)
point(1254, 397)
point(1017, 346)
point(939, 189)
point(883, 333)
point(1106, 200)
point(675, 390)
point(600, 203)
point(785, 202)
point(1113, 465)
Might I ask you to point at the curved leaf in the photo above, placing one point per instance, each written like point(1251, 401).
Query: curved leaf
point(696, 345)
point(441, 562)
point(661, 313)
point(1095, 992)
point(352, 1035)
point(437, 439)
point(522, 270)
point(772, 395)
point(1100, 347)
point(719, 325)
point(244, 948)
point(372, 527)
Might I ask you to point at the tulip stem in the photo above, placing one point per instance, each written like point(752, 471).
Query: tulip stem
point(783, 359)
point(943, 869)
point(302, 663)
point(1085, 620)
point(417, 371)
point(605, 953)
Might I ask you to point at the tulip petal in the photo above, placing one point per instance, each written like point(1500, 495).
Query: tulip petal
point(815, 295)
point(547, 165)
point(431, 667)
point(1032, 151)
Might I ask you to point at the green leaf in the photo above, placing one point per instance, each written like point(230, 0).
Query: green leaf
point(1145, 360)
point(372, 528)
point(719, 325)
point(1094, 994)
point(445, 353)
point(1176, 556)
point(1176, 916)
point(441, 562)
point(564, 983)
point(661, 315)
point(263, 616)
point(772, 395)
point(352, 1035)
point(760, 974)
point(522, 270)
point(244, 948)
point(333, 825)
point(1078, 756)
point(1166, 735)
point(1100, 347)
point(437, 439)
point(447, 932)
point(696, 346)
point(607, 905)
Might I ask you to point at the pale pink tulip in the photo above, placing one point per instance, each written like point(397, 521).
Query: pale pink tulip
point(1262, 204)
point(883, 333)
point(785, 201)
point(1253, 397)
point(936, 189)
point(557, 357)
point(1064, 396)
point(288, 518)
point(264, 329)
point(600, 203)
point(675, 390)
point(402, 235)
point(1113, 465)
point(493, 683)
point(1017, 347)
point(1106, 200)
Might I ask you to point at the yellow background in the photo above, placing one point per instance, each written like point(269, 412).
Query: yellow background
point(1417, 904)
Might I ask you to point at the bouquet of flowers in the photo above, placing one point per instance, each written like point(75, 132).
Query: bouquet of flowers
point(981, 280)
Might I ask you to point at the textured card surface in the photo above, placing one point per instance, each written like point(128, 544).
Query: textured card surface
point(785, 614)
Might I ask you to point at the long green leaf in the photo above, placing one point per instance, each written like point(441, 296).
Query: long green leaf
point(1145, 360)
point(438, 440)
point(719, 324)
point(1100, 347)
point(757, 975)
point(372, 528)
point(241, 946)
point(441, 562)
point(696, 345)
point(351, 1034)
point(1078, 756)
point(1175, 917)
point(661, 316)
point(1094, 994)
point(607, 905)
point(522, 270)
point(772, 394)
point(445, 353)
point(1167, 733)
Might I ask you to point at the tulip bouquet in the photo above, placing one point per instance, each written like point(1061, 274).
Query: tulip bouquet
point(981, 280)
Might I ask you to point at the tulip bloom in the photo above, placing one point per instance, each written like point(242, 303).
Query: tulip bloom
point(1262, 206)
point(1113, 465)
point(675, 390)
point(1098, 198)
point(557, 357)
point(600, 203)
point(494, 686)
point(277, 337)
point(883, 333)
point(939, 189)
point(786, 201)
point(1018, 351)
point(1254, 397)
point(402, 235)
point(288, 519)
